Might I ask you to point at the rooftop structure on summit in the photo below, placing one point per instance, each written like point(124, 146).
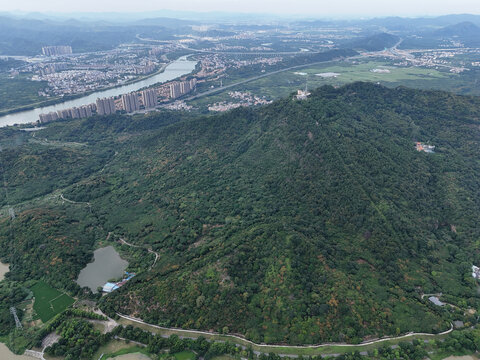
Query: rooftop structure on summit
point(302, 94)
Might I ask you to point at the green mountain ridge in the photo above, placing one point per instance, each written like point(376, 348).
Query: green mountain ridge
point(279, 217)
point(301, 222)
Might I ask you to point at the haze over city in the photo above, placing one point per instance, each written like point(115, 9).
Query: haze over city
point(340, 8)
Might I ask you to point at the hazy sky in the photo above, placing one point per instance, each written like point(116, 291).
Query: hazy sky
point(308, 7)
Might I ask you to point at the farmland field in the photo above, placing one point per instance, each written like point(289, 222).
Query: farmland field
point(49, 301)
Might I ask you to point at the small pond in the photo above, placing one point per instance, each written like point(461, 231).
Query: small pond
point(107, 264)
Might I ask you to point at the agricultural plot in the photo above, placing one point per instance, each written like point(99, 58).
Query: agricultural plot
point(49, 301)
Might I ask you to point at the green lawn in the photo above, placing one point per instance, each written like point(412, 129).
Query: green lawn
point(49, 301)
point(185, 355)
point(130, 350)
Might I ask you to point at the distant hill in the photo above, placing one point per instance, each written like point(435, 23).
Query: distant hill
point(166, 22)
point(27, 36)
point(466, 30)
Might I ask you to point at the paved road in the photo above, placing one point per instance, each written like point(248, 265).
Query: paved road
point(196, 333)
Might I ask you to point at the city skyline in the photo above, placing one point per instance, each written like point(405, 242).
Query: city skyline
point(345, 8)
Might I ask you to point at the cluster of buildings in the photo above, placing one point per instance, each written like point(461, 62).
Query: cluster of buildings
point(246, 99)
point(181, 88)
point(130, 102)
point(178, 105)
point(146, 68)
point(72, 74)
point(56, 50)
point(224, 106)
point(259, 60)
point(72, 113)
point(75, 81)
point(51, 68)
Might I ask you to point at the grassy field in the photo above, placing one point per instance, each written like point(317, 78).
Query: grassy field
point(283, 84)
point(49, 301)
point(185, 355)
point(124, 351)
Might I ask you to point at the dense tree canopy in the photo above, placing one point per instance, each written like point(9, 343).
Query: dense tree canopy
point(300, 222)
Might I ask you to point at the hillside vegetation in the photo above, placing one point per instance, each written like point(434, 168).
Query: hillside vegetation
point(300, 222)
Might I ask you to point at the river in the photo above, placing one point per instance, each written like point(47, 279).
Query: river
point(178, 68)
point(107, 264)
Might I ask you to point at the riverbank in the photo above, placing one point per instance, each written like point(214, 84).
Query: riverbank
point(59, 100)
point(172, 71)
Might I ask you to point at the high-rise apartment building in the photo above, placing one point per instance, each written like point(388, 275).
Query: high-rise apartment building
point(175, 90)
point(149, 98)
point(105, 106)
point(181, 88)
point(56, 50)
point(130, 102)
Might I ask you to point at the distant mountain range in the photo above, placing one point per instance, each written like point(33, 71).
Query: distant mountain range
point(92, 32)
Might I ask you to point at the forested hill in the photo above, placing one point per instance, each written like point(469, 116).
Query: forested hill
point(300, 222)
point(307, 221)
